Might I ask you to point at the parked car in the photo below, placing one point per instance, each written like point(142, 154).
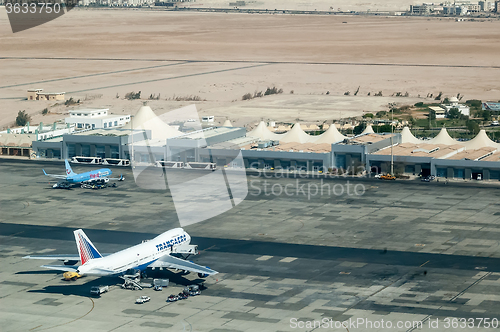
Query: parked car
point(387, 177)
point(142, 299)
point(172, 298)
point(182, 296)
point(158, 288)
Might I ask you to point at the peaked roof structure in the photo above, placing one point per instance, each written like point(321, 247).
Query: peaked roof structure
point(443, 138)
point(368, 130)
point(227, 123)
point(480, 141)
point(332, 135)
point(296, 134)
point(147, 119)
point(262, 132)
point(407, 136)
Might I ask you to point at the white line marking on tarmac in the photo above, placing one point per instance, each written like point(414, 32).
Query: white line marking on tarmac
point(264, 258)
point(288, 259)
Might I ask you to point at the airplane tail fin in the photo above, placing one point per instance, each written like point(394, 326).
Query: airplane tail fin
point(69, 171)
point(85, 247)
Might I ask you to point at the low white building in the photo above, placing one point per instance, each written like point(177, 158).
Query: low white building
point(98, 118)
point(454, 103)
point(42, 131)
point(439, 111)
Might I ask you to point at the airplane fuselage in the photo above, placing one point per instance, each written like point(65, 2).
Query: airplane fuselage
point(89, 176)
point(138, 256)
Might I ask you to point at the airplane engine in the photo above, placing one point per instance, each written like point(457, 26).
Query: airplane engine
point(70, 262)
point(203, 275)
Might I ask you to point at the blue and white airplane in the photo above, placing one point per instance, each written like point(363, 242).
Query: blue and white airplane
point(87, 177)
point(153, 253)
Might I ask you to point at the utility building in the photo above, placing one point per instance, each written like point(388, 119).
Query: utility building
point(98, 118)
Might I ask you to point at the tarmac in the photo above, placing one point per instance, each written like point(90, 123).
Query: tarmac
point(398, 252)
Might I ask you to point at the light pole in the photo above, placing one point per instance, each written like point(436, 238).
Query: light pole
point(132, 145)
point(392, 134)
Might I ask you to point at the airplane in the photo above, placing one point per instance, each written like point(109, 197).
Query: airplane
point(150, 253)
point(87, 177)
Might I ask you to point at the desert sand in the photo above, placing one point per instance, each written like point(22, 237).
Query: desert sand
point(97, 55)
point(320, 5)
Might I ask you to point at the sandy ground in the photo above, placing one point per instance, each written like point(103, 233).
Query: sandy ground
point(337, 5)
point(220, 57)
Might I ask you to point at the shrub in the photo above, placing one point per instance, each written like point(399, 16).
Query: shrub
point(473, 127)
point(359, 128)
point(454, 113)
point(22, 118)
point(132, 95)
point(368, 115)
point(71, 101)
point(432, 115)
point(474, 103)
point(273, 91)
point(187, 98)
point(45, 111)
point(419, 104)
point(247, 96)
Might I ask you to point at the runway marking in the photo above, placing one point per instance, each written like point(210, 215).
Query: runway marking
point(259, 61)
point(170, 78)
point(288, 259)
point(91, 75)
point(264, 258)
point(424, 263)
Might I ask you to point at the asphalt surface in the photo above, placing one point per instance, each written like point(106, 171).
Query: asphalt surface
point(402, 250)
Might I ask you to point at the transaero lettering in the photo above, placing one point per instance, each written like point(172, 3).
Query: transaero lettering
point(170, 243)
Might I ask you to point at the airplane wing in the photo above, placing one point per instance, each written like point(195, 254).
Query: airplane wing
point(172, 262)
point(57, 176)
point(63, 257)
point(55, 257)
point(66, 268)
point(121, 178)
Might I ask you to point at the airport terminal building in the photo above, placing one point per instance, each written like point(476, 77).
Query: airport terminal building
point(260, 148)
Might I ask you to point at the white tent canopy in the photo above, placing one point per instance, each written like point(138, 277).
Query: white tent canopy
point(148, 120)
point(332, 135)
point(296, 134)
point(480, 141)
point(443, 138)
point(368, 130)
point(263, 133)
point(407, 137)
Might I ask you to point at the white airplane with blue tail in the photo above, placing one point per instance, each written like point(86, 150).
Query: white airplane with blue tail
point(87, 177)
point(149, 254)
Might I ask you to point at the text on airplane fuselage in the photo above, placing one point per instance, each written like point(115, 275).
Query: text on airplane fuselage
point(167, 244)
point(98, 175)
